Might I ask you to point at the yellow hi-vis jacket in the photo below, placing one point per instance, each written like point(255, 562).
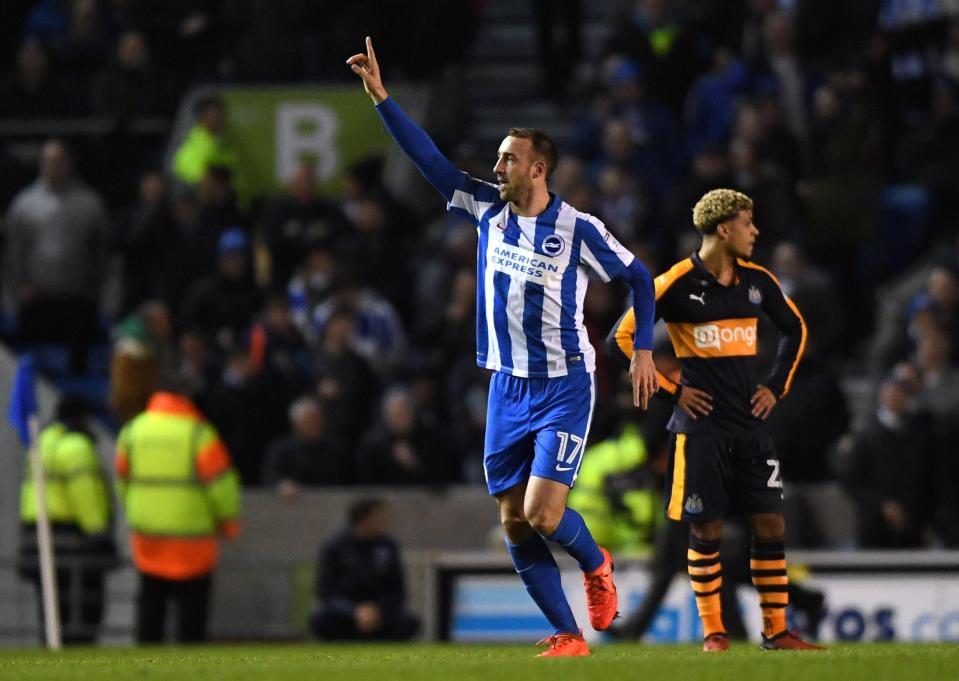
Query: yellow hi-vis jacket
point(178, 488)
point(629, 522)
point(77, 492)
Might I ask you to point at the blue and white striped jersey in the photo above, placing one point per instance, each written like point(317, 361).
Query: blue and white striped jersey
point(531, 279)
point(531, 272)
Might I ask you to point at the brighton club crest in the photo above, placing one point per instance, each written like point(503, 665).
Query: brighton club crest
point(755, 295)
point(553, 245)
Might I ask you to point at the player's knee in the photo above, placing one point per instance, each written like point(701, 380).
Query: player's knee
point(515, 526)
point(712, 531)
point(769, 526)
point(543, 519)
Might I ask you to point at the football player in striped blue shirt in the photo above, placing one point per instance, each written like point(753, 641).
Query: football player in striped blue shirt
point(534, 258)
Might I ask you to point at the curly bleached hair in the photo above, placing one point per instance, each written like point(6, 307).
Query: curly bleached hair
point(718, 206)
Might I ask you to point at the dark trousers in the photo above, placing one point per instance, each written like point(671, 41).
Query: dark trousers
point(66, 321)
point(80, 597)
point(337, 625)
point(191, 598)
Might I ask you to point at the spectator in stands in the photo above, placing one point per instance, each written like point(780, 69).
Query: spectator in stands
point(710, 168)
point(198, 365)
point(375, 248)
point(129, 86)
point(145, 237)
point(81, 47)
point(56, 251)
point(949, 61)
point(467, 425)
point(279, 351)
point(312, 283)
point(307, 456)
point(763, 158)
point(815, 397)
point(295, 221)
point(887, 469)
point(270, 48)
point(622, 203)
point(812, 290)
point(938, 378)
point(937, 304)
point(931, 151)
point(558, 58)
point(443, 271)
point(48, 19)
point(378, 334)
point(201, 216)
point(205, 145)
point(638, 133)
point(650, 33)
point(400, 449)
point(711, 105)
point(360, 583)
point(841, 198)
point(185, 262)
point(142, 352)
point(186, 35)
point(791, 75)
point(345, 381)
point(223, 304)
point(175, 480)
point(459, 315)
point(80, 508)
point(31, 91)
point(247, 412)
point(815, 394)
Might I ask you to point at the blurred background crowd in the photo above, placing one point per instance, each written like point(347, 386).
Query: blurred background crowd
point(330, 338)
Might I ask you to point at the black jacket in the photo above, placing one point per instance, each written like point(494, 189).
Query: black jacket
point(308, 463)
point(352, 570)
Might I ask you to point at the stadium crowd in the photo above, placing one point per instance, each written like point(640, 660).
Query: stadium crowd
point(330, 338)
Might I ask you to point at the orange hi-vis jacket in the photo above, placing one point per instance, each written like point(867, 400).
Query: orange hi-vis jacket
point(178, 489)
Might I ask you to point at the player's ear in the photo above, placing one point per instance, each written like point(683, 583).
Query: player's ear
point(539, 168)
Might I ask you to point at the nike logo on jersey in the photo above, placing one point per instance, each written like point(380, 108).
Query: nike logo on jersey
point(701, 297)
point(563, 469)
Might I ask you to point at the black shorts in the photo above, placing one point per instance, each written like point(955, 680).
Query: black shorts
point(711, 477)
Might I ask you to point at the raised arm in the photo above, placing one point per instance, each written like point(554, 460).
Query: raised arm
point(411, 138)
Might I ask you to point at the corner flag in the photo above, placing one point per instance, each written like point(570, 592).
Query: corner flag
point(24, 419)
point(23, 399)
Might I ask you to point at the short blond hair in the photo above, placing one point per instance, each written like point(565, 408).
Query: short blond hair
point(718, 206)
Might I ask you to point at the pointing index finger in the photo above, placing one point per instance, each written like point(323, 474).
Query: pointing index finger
point(370, 52)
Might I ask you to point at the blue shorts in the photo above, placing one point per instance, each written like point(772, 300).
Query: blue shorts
point(536, 426)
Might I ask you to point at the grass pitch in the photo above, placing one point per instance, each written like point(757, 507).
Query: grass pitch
point(428, 662)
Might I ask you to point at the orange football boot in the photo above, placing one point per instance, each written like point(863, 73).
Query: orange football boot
point(601, 600)
point(564, 645)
